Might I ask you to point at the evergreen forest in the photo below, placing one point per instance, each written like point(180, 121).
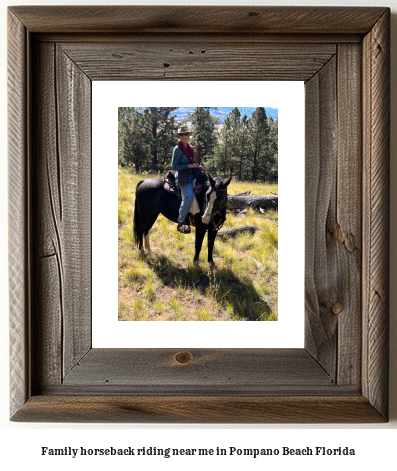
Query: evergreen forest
point(243, 147)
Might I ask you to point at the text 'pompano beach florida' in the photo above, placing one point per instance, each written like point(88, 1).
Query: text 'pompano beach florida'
point(218, 451)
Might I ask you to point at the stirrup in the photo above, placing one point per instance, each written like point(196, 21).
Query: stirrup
point(183, 229)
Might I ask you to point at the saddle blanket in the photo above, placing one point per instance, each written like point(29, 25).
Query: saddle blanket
point(174, 190)
point(194, 207)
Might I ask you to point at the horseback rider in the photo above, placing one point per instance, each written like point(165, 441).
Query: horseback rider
point(186, 167)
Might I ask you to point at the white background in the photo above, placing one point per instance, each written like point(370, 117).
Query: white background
point(20, 443)
point(288, 97)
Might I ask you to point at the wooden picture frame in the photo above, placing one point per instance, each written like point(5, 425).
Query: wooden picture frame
point(342, 54)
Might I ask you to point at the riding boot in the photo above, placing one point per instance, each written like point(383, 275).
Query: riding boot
point(183, 228)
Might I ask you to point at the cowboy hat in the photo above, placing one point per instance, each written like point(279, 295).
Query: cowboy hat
point(183, 130)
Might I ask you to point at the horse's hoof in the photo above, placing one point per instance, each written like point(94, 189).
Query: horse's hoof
point(212, 264)
point(196, 263)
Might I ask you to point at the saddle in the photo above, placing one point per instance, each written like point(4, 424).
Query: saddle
point(171, 186)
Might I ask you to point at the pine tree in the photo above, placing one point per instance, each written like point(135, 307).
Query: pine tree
point(246, 148)
point(155, 124)
point(166, 142)
point(220, 163)
point(243, 141)
point(204, 138)
point(133, 148)
point(123, 114)
point(273, 143)
point(234, 145)
point(259, 135)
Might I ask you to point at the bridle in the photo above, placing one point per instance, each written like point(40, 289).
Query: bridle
point(218, 210)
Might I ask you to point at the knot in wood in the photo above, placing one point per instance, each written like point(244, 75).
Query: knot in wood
point(183, 358)
point(338, 235)
point(337, 308)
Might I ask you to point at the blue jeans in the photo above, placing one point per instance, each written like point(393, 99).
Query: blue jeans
point(187, 195)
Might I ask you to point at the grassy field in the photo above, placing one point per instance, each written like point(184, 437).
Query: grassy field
point(166, 286)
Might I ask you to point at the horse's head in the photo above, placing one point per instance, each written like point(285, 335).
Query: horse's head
point(215, 202)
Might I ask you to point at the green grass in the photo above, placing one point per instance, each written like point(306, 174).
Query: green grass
point(165, 285)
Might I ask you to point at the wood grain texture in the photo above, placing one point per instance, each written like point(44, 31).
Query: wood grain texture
point(244, 369)
point(155, 19)
point(322, 285)
point(154, 39)
point(62, 204)
point(74, 124)
point(18, 212)
point(205, 60)
point(48, 248)
point(347, 226)
point(333, 216)
point(198, 409)
point(376, 92)
point(346, 242)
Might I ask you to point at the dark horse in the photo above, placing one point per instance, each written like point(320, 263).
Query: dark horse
point(151, 199)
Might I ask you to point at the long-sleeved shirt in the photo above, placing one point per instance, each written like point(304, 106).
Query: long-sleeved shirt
point(180, 160)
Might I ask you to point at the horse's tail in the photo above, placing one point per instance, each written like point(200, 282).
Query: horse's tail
point(138, 231)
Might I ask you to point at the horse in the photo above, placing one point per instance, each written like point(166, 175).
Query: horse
point(151, 199)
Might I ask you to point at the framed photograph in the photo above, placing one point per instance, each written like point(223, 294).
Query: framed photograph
point(252, 270)
point(340, 374)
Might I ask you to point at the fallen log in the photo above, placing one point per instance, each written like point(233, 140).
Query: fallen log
point(252, 201)
point(238, 230)
point(248, 192)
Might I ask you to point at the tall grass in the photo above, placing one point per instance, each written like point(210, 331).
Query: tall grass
point(165, 285)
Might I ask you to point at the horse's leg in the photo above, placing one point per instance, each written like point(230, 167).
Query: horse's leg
point(211, 241)
point(149, 225)
point(137, 226)
point(200, 233)
point(147, 244)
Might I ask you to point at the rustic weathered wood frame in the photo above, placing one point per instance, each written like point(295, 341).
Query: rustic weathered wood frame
point(343, 56)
